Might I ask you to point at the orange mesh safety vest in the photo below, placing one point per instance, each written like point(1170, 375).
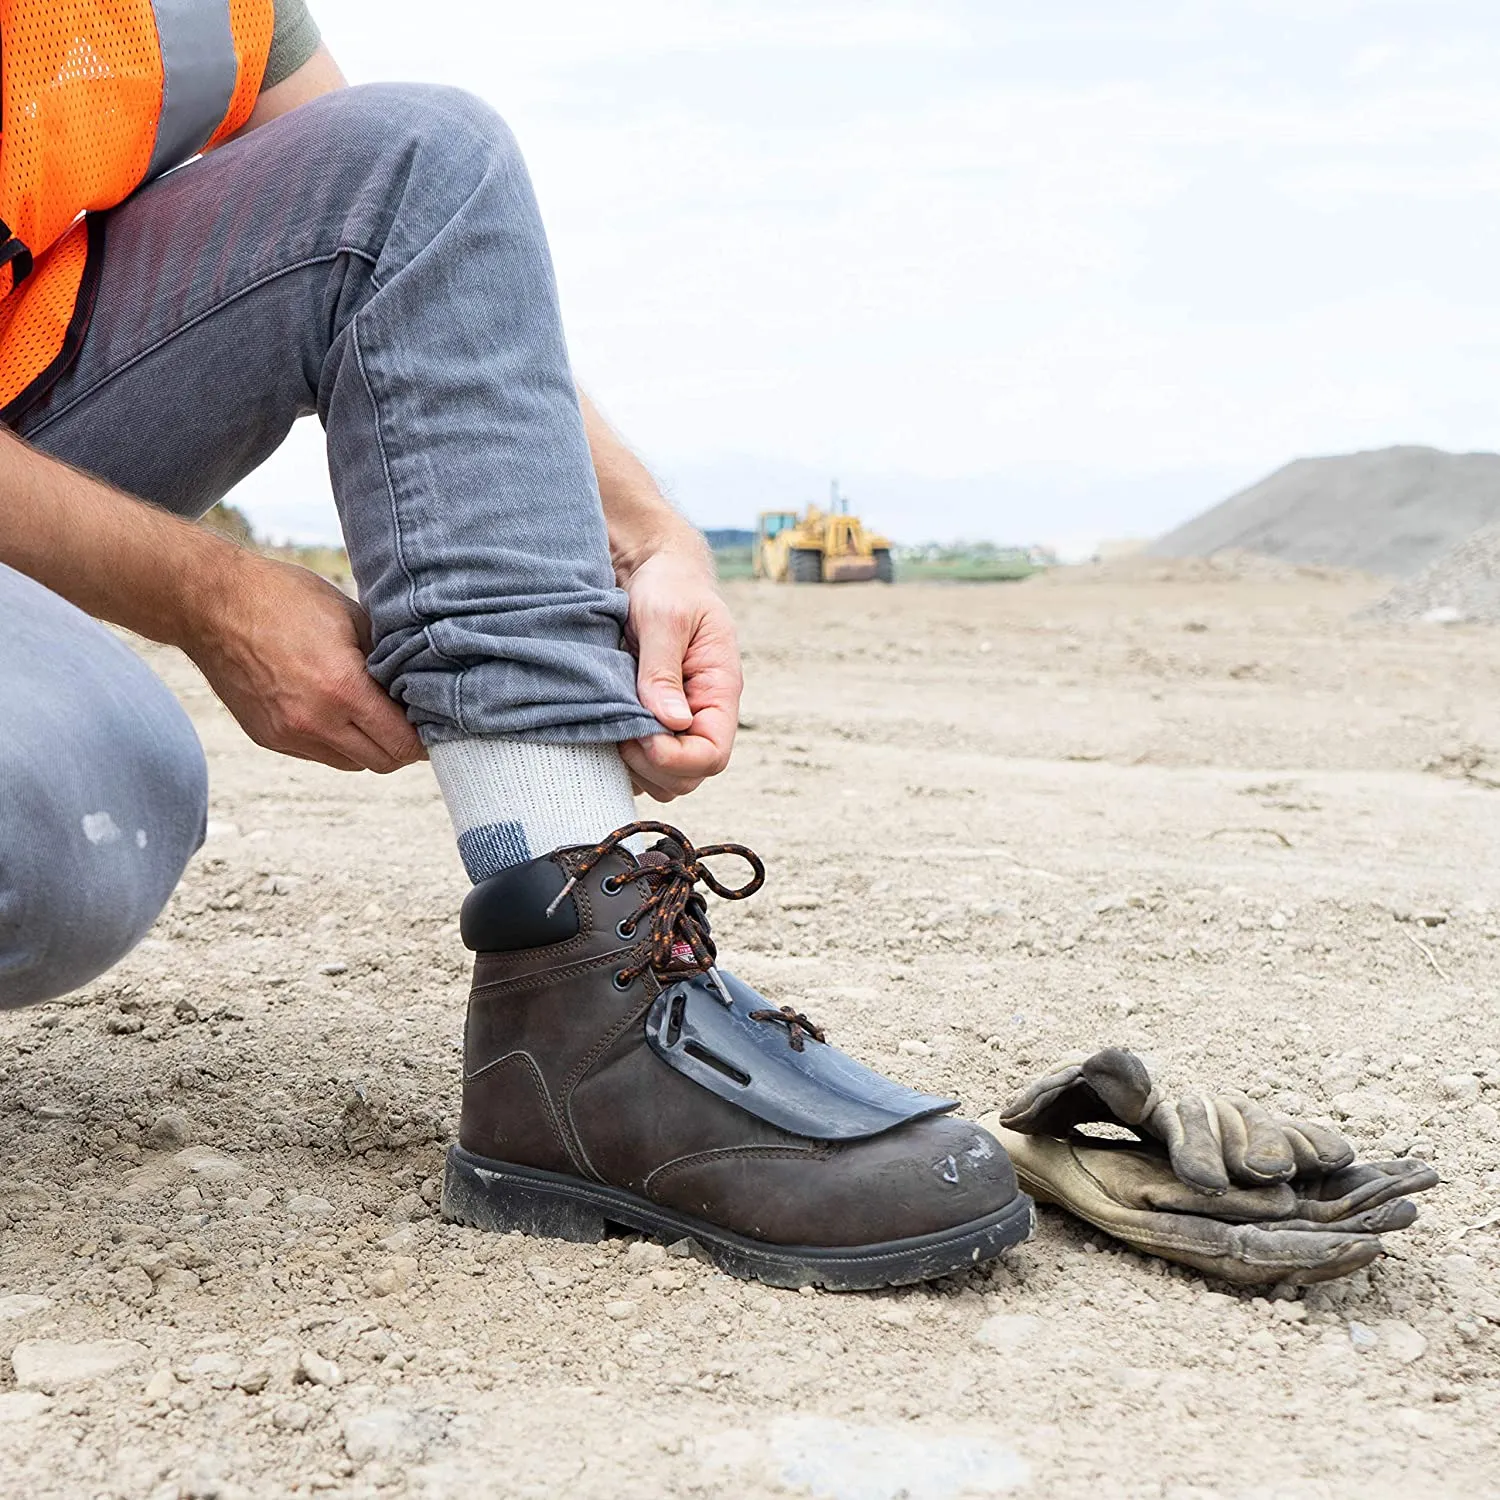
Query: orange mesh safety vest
point(98, 97)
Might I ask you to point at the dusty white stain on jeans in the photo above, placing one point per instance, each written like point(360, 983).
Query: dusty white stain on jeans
point(100, 828)
point(140, 838)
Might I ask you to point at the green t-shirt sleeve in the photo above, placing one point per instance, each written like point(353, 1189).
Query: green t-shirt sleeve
point(294, 39)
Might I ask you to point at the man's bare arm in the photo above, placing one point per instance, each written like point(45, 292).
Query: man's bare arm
point(282, 648)
point(320, 74)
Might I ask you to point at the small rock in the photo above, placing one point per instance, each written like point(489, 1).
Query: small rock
point(210, 1165)
point(335, 966)
point(315, 1370)
point(22, 1406)
point(621, 1311)
point(1289, 1312)
point(1462, 1088)
point(291, 1416)
point(382, 1433)
point(171, 1130)
point(669, 1279)
point(50, 1364)
point(682, 1249)
point(913, 1048)
point(309, 1206)
point(645, 1253)
point(217, 1368)
point(132, 1284)
point(1007, 1331)
point(1363, 1337)
point(1401, 1342)
point(22, 1305)
point(253, 1379)
point(189, 1198)
point(896, 1315)
point(385, 1281)
point(161, 1385)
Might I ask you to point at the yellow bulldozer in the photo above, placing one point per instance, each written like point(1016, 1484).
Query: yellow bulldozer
point(820, 546)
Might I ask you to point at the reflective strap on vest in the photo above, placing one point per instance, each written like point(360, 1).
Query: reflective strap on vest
point(200, 71)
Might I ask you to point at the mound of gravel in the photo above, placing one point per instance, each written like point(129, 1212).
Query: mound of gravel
point(1463, 584)
point(1392, 511)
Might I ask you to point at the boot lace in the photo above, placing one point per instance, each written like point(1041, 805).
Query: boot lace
point(678, 940)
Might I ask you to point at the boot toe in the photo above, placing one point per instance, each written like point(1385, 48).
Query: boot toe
point(923, 1178)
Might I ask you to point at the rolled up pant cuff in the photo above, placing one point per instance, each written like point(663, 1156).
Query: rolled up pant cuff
point(596, 732)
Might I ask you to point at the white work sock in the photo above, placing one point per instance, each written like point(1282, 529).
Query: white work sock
point(512, 800)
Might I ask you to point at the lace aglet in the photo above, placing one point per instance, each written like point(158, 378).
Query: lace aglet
point(723, 989)
point(558, 899)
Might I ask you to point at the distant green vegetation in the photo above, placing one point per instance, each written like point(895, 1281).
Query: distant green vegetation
point(963, 562)
point(734, 562)
point(966, 562)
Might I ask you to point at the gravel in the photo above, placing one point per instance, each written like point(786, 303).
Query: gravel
point(1390, 511)
point(1457, 588)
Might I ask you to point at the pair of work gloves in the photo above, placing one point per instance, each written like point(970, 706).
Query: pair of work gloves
point(1216, 1182)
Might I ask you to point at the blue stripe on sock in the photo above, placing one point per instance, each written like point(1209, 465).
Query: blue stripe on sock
point(494, 847)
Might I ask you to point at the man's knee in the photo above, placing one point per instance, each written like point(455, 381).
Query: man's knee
point(453, 130)
point(95, 835)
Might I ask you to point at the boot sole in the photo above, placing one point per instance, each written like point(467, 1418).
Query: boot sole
point(500, 1197)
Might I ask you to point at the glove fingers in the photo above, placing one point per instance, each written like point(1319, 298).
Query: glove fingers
point(1032, 1105)
point(1362, 1187)
point(1318, 1148)
point(1111, 1086)
point(1383, 1218)
point(1121, 1081)
point(1305, 1152)
point(1300, 1257)
point(1245, 1253)
point(1237, 1205)
point(1190, 1129)
point(1268, 1154)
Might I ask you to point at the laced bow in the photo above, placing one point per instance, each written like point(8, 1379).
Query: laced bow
point(679, 942)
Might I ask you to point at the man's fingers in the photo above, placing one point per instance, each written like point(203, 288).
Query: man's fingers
point(646, 776)
point(659, 675)
point(680, 757)
point(384, 723)
point(319, 752)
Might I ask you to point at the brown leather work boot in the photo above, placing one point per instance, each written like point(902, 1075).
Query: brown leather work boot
point(614, 1075)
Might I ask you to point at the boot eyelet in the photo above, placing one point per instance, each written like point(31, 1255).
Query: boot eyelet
point(619, 975)
point(610, 885)
point(625, 930)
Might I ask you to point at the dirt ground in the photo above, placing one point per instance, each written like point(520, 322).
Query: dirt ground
point(1213, 819)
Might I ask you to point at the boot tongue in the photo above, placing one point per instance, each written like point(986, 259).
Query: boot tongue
point(664, 852)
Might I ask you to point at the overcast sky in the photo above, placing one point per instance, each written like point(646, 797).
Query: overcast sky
point(1026, 270)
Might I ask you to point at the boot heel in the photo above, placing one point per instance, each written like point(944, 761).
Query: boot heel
point(496, 1200)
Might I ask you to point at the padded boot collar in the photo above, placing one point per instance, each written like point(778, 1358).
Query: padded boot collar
point(817, 1091)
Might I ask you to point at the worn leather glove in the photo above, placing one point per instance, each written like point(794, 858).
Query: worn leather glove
point(1213, 1182)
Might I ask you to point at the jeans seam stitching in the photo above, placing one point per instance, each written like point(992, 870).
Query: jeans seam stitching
point(208, 312)
point(398, 541)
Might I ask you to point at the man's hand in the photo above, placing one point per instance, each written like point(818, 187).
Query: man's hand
point(285, 650)
point(689, 674)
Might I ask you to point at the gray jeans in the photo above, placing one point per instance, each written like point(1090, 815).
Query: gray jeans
point(375, 257)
